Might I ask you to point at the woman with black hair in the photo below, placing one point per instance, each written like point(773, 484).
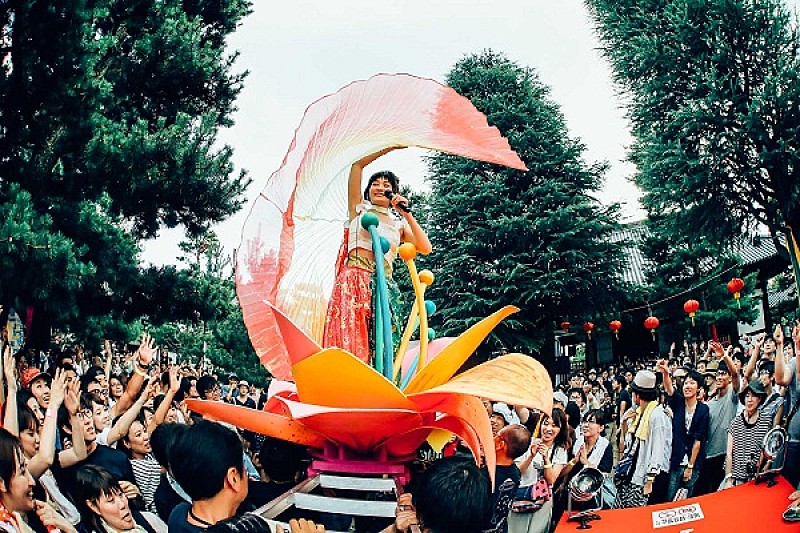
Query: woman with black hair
point(104, 507)
point(540, 467)
point(348, 320)
point(146, 470)
point(16, 492)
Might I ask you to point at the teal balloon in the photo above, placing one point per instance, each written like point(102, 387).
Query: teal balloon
point(430, 307)
point(369, 220)
point(385, 246)
point(431, 334)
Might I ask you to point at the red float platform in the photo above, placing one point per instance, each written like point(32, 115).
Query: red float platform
point(748, 508)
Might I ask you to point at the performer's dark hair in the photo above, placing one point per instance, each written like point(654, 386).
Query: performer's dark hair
point(393, 179)
point(452, 496)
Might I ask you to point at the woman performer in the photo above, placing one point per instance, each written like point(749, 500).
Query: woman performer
point(348, 324)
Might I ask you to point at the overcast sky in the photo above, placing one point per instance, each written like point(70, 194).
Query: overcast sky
point(301, 50)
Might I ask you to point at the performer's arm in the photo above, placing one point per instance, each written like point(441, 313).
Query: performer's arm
point(354, 184)
point(417, 235)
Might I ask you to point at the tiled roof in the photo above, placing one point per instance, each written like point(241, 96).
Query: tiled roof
point(631, 237)
point(751, 249)
point(779, 297)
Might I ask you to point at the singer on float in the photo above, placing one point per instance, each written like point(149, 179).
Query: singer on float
point(348, 323)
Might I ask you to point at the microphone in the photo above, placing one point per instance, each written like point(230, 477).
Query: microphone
point(402, 205)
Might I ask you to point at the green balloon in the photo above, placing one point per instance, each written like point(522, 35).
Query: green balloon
point(385, 245)
point(368, 220)
point(431, 334)
point(430, 307)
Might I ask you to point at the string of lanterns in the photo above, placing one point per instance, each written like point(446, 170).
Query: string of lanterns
point(735, 288)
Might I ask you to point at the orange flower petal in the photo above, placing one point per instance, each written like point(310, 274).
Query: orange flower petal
point(471, 412)
point(336, 378)
point(516, 379)
point(447, 363)
point(360, 430)
point(269, 424)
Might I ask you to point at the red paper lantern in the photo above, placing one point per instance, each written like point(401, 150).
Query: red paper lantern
point(565, 326)
point(735, 286)
point(691, 307)
point(588, 327)
point(652, 323)
point(615, 326)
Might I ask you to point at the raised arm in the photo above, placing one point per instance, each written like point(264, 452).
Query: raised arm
point(43, 459)
point(72, 404)
point(109, 359)
point(163, 408)
point(783, 372)
point(754, 353)
point(123, 424)
point(142, 360)
point(735, 380)
point(10, 421)
point(663, 367)
point(356, 173)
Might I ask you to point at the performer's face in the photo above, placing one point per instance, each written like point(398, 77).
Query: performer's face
point(376, 190)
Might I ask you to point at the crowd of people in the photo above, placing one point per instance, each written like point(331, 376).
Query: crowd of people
point(688, 424)
point(109, 445)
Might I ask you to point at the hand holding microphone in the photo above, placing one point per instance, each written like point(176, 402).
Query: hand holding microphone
point(401, 205)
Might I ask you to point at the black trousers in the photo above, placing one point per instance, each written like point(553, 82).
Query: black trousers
point(711, 475)
point(791, 467)
point(660, 489)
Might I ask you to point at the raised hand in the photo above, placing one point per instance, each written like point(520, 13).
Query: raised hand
point(72, 397)
point(778, 335)
point(147, 350)
point(9, 368)
point(174, 379)
point(153, 388)
point(759, 340)
point(58, 389)
point(717, 349)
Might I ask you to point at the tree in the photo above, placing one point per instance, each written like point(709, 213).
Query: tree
point(217, 334)
point(687, 266)
point(712, 91)
point(109, 121)
point(534, 239)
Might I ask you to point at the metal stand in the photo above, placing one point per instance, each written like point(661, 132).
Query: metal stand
point(335, 470)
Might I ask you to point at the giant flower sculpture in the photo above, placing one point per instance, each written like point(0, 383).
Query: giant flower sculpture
point(285, 272)
point(343, 402)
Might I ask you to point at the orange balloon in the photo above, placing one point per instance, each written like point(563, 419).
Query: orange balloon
point(407, 251)
point(426, 277)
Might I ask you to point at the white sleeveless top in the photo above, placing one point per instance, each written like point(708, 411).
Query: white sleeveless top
point(390, 227)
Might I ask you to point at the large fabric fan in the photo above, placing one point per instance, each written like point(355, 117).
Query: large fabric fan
point(292, 235)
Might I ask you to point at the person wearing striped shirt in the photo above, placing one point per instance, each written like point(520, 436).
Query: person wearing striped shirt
point(745, 434)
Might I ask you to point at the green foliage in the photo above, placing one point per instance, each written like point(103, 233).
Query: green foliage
point(109, 132)
point(712, 87)
point(685, 261)
point(217, 334)
point(535, 239)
